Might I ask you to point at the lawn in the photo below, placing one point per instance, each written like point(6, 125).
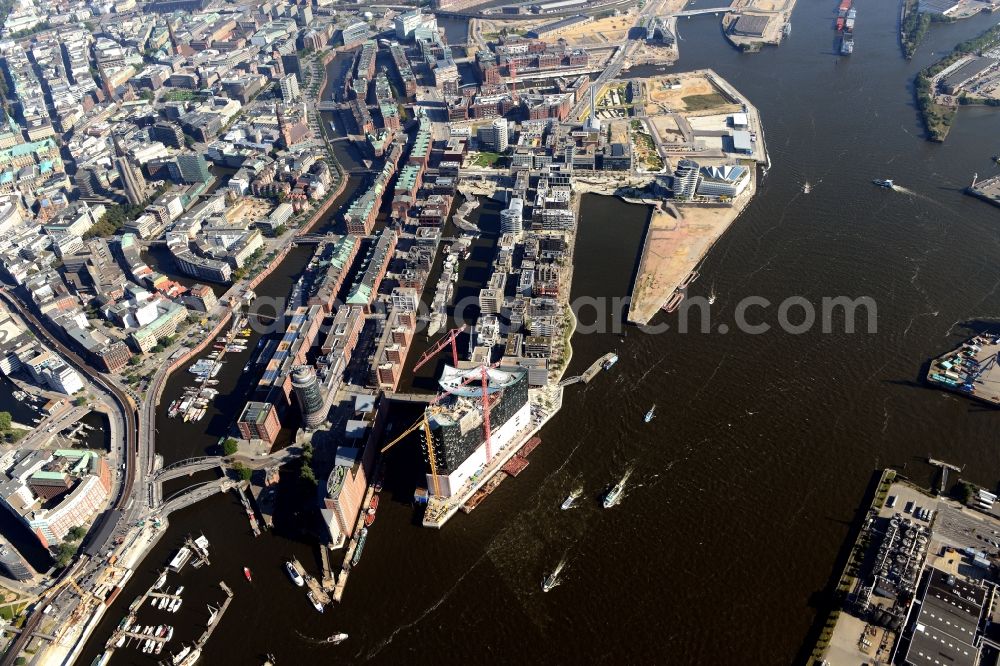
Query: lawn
point(701, 102)
point(487, 159)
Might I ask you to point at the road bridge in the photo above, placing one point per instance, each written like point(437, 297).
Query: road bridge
point(188, 467)
point(194, 494)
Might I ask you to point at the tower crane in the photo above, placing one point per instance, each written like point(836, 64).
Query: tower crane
point(424, 423)
point(448, 338)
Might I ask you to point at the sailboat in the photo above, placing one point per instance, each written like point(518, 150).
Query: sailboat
point(711, 295)
point(650, 414)
point(807, 188)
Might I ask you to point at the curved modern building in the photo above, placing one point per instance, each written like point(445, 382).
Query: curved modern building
point(457, 423)
point(310, 397)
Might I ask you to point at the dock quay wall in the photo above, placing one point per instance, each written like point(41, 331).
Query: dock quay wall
point(815, 647)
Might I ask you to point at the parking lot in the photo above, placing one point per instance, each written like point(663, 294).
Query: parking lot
point(953, 524)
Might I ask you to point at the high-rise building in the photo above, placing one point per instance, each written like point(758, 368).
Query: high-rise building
point(457, 429)
point(512, 219)
point(169, 134)
point(192, 168)
point(13, 565)
point(132, 180)
point(686, 179)
point(593, 123)
point(309, 395)
point(408, 22)
point(289, 87)
point(495, 136)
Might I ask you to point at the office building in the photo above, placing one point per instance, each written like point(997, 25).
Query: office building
point(192, 168)
point(289, 87)
point(13, 565)
point(512, 219)
point(259, 420)
point(310, 396)
point(495, 137)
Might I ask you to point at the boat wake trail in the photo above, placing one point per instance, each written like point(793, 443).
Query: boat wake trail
point(433, 607)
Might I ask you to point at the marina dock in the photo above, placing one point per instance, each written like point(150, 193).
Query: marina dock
point(590, 372)
point(203, 639)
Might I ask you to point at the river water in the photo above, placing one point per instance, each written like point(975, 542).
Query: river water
point(745, 484)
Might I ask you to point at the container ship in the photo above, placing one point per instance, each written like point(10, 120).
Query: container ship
point(847, 43)
point(843, 10)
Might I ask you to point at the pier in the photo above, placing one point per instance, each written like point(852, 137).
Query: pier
point(203, 639)
point(971, 370)
point(943, 484)
point(249, 509)
point(988, 190)
point(590, 372)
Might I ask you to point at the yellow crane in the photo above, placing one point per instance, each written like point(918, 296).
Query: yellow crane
point(424, 423)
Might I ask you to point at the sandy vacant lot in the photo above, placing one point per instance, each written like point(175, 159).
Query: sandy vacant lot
point(658, 93)
point(673, 249)
point(610, 30)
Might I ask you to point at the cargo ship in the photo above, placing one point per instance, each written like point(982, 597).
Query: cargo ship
point(843, 11)
point(847, 43)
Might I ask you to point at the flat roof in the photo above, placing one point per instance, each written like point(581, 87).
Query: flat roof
point(945, 629)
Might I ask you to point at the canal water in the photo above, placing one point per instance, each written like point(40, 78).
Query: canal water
point(745, 484)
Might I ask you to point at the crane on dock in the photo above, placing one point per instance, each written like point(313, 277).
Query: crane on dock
point(981, 368)
point(448, 338)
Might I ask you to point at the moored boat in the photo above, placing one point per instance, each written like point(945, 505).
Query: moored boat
point(315, 602)
point(247, 574)
point(294, 574)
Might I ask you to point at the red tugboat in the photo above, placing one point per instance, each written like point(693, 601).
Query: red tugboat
point(370, 514)
point(246, 572)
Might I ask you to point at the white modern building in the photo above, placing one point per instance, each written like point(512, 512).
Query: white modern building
point(729, 180)
point(512, 218)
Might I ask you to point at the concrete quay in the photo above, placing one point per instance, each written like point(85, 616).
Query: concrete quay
point(971, 369)
point(988, 190)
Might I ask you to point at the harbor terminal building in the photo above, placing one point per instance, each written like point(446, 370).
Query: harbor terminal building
point(457, 426)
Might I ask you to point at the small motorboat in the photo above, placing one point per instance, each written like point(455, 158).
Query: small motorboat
point(886, 183)
point(246, 572)
point(315, 602)
point(294, 574)
point(337, 638)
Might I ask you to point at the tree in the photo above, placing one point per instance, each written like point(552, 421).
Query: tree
point(65, 554)
point(242, 471)
point(76, 533)
point(5, 420)
point(230, 446)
